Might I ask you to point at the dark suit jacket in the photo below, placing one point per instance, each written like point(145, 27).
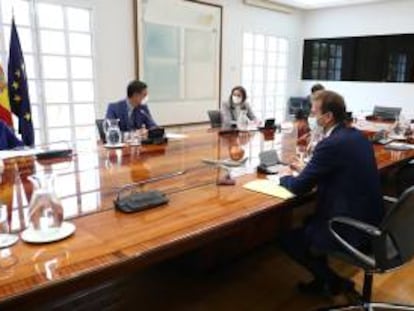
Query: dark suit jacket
point(343, 168)
point(7, 138)
point(140, 116)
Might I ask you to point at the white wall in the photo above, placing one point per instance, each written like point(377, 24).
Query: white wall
point(115, 46)
point(239, 18)
point(114, 50)
point(372, 19)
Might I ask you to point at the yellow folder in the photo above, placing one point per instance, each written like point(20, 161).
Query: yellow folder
point(269, 187)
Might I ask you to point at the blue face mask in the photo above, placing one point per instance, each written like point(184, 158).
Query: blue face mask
point(314, 122)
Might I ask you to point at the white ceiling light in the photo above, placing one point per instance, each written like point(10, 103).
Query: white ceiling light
point(317, 4)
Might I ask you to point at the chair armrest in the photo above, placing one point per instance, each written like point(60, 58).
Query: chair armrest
point(364, 227)
point(389, 199)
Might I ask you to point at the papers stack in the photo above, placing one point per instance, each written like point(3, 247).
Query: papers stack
point(269, 187)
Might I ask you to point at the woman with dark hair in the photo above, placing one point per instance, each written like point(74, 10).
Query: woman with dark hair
point(231, 109)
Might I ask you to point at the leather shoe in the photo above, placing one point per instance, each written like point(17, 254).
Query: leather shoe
point(347, 287)
point(316, 287)
point(342, 285)
point(325, 289)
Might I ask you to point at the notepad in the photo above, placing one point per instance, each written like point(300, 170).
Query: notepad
point(399, 146)
point(269, 187)
point(176, 136)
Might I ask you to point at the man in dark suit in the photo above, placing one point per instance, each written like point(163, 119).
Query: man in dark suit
point(343, 168)
point(132, 112)
point(7, 138)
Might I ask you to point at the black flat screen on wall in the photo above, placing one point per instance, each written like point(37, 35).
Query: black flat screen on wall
point(388, 58)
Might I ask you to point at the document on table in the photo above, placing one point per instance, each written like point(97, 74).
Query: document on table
point(372, 126)
point(269, 187)
point(176, 136)
point(399, 146)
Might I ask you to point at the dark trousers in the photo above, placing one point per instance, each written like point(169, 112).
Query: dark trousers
point(404, 178)
point(297, 244)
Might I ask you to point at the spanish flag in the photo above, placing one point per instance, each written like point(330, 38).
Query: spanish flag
point(5, 112)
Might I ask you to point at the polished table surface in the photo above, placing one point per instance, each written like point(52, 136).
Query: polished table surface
point(107, 241)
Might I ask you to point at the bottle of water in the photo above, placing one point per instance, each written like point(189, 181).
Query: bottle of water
point(243, 120)
point(112, 131)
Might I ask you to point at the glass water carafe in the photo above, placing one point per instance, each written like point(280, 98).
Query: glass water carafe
point(45, 209)
point(112, 131)
point(243, 120)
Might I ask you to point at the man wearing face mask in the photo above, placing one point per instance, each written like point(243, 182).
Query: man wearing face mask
point(133, 111)
point(231, 110)
point(316, 131)
point(343, 169)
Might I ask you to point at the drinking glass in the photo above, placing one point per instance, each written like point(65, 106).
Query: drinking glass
point(45, 208)
point(301, 152)
point(7, 263)
point(6, 238)
point(134, 138)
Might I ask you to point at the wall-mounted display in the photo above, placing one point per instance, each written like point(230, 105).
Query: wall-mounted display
point(386, 58)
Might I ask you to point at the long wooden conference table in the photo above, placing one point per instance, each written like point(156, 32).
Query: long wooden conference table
point(107, 243)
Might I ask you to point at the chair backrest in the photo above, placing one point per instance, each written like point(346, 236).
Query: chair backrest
point(298, 103)
point(270, 123)
point(386, 113)
point(395, 246)
point(215, 118)
point(99, 125)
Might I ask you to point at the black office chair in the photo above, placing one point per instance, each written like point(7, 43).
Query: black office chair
point(298, 103)
point(99, 125)
point(215, 118)
point(404, 177)
point(386, 113)
point(392, 246)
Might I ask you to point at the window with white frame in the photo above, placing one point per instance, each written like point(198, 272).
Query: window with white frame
point(56, 39)
point(264, 74)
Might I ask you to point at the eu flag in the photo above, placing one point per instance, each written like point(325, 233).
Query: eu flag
point(18, 90)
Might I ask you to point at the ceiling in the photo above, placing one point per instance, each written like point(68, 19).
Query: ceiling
point(318, 4)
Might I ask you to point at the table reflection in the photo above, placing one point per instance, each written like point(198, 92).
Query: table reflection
point(49, 263)
point(77, 185)
point(113, 158)
point(87, 186)
point(88, 181)
point(7, 263)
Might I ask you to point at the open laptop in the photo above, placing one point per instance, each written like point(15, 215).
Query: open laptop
point(270, 162)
